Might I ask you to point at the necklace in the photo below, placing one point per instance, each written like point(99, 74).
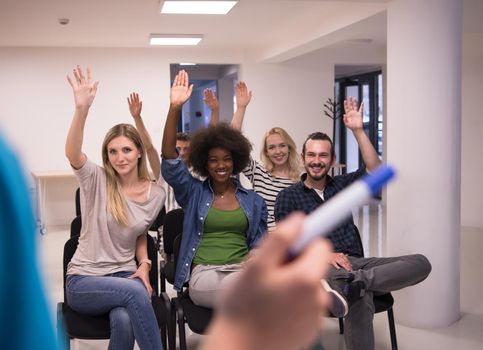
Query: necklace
point(222, 193)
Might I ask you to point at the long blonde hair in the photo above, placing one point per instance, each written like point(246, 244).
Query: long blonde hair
point(115, 200)
point(293, 158)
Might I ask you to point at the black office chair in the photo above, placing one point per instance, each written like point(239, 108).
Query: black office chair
point(383, 302)
point(75, 226)
point(172, 227)
point(197, 317)
point(183, 310)
point(79, 326)
point(156, 226)
point(77, 202)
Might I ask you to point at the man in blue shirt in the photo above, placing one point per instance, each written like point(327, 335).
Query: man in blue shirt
point(351, 275)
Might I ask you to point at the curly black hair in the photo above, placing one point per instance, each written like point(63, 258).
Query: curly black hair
point(219, 136)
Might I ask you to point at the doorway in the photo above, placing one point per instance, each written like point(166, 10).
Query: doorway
point(368, 88)
point(221, 78)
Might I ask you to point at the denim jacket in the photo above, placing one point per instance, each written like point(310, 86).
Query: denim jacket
point(195, 197)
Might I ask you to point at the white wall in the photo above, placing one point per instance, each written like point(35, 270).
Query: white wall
point(290, 96)
point(37, 103)
point(472, 132)
point(37, 100)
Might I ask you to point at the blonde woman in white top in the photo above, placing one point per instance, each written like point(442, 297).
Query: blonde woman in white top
point(119, 203)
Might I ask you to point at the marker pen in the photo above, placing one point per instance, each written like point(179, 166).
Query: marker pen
point(325, 218)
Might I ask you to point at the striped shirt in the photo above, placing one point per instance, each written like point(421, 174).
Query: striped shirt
point(266, 185)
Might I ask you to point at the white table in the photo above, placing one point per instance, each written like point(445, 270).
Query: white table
point(41, 180)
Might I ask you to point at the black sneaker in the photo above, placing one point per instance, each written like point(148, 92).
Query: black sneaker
point(343, 293)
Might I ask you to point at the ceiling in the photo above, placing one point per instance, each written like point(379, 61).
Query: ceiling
point(276, 30)
point(271, 26)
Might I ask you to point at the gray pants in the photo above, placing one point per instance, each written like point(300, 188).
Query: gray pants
point(207, 281)
point(380, 275)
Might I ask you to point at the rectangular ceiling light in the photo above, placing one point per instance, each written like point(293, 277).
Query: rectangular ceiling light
point(198, 7)
point(175, 39)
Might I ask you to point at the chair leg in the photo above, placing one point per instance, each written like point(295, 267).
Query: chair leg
point(158, 243)
point(172, 327)
point(162, 284)
point(341, 325)
point(392, 328)
point(164, 337)
point(181, 330)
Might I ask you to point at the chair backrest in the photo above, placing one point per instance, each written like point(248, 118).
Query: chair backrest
point(172, 227)
point(158, 222)
point(75, 226)
point(153, 256)
point(176, 245)
point(69, 249)
point(77, 202)
point(359, 240)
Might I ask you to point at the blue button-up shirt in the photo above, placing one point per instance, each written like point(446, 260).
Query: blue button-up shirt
point(195, 197)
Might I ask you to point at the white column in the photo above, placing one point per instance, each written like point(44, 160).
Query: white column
point(424, 144)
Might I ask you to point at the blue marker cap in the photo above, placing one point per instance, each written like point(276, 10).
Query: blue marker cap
point(378, 178)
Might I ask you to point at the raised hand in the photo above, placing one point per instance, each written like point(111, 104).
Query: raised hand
point(353, 121)
point(211, 100)
point(243, 95)
point(83, 87)
point(353, 116)
point(135, 105)
point(180, 91)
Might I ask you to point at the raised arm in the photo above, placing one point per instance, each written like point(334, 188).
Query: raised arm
point(243, 97)
point(84, 90)
point(135, 107)
point(212, 102)
point(179, 94)
point(353, 121)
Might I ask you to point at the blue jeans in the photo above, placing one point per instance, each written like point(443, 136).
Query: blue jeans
point(126, 300)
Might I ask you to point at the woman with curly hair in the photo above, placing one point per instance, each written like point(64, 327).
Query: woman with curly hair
point(222, 220)
point(280, 165)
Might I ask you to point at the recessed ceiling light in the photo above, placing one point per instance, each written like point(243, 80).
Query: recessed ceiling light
point(187, 64)
point(198, 7)
point(174, 39)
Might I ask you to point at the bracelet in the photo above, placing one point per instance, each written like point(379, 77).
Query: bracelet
point(147, 261)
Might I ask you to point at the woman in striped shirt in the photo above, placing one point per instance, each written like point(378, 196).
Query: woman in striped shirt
point(280, 165)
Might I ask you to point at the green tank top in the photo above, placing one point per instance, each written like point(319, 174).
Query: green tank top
point(224, 238)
